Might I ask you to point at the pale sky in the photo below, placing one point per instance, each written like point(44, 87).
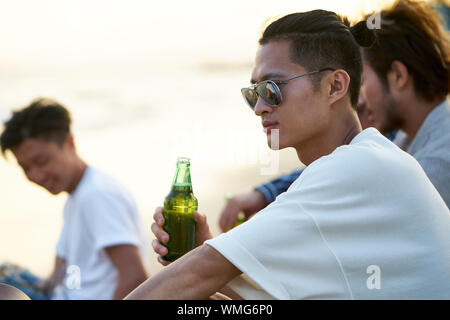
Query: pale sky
point(62, 33)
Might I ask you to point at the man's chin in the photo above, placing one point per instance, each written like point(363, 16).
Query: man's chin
point(53, 191)
point(276, 146)
point(387, 128)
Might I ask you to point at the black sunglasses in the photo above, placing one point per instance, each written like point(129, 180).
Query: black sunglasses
point(269, 91)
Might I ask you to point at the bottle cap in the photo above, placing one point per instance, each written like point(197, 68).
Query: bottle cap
point(184, 160)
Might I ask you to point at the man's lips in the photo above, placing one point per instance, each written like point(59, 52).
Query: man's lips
point(269, 125)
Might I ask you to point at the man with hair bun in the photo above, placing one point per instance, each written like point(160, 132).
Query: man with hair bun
point(362, 221)
point(405, 86)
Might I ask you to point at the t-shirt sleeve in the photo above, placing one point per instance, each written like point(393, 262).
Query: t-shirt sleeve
point(109, 219)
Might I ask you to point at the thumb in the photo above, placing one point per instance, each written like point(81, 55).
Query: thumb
point(200, 219)
point(202, 231)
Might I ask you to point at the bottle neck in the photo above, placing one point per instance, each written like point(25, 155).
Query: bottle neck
point(182, 180)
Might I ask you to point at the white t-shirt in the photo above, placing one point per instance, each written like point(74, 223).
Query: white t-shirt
point(100, 213)
point(363, 222)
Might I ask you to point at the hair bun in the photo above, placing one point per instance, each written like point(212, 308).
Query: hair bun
point(364, 36)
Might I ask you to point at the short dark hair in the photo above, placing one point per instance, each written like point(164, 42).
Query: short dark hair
point(43, 119)
point(412, 34)
point(322, 39)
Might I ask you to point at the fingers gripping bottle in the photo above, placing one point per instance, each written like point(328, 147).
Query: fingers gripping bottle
point(179, 207)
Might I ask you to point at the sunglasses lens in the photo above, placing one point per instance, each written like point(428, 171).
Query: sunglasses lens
point(250, 96)
point(269, 91)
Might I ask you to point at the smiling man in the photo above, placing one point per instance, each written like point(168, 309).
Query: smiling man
point(360, 205)
point(102, 243)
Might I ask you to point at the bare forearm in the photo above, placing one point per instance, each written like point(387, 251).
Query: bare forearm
point(57, 276)
point(125, 286)
point(197, 275)
point(131, 272)
point(174, 282)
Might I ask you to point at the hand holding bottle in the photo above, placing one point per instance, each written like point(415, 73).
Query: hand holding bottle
point(202, 233)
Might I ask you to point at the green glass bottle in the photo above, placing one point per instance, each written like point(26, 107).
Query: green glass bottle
point(240, 217)
point(179, 207)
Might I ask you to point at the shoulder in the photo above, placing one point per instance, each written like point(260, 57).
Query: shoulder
point(100, 187)
point(369, 153)
point(369, 162)
point(100, 182)
point(431, 148)
point(433, 138)
point(436, 146)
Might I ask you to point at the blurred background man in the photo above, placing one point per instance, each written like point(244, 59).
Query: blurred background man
point(102, 248)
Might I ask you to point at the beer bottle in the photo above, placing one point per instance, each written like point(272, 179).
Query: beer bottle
point(240, 217)
point(179, 207)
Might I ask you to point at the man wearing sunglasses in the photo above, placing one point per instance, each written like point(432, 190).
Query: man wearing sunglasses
point(424, 112)
point(362, 221)
point(251, 202)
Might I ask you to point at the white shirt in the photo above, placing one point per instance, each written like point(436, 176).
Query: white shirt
point(363, 222)
point(100, 213)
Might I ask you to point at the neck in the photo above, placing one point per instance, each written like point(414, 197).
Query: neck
point(341, 133)
point(415, 113)
point(79, 169)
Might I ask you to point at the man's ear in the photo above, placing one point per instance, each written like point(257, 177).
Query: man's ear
point(69, 141)
point(397, 76)
point(338, 82)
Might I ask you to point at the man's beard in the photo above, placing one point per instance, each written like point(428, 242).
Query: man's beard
point(391, 120)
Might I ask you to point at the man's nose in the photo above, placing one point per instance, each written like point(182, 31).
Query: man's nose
point(361, 100)
point(262, 107)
